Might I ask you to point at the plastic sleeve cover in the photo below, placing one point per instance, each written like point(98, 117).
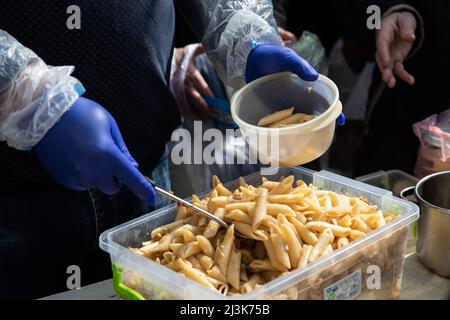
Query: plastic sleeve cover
point(33, 95)
point(233, 28)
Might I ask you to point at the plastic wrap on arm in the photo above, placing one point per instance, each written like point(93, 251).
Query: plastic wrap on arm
point(33, 95)
point(233, 28)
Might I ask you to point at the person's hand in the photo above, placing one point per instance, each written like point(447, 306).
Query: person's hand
point(394, 42)
point(195, 85)
point(85, 149)
point(266, 59)
point(286, 36)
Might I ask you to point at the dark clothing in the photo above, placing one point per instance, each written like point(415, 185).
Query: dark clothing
point(45, 230)
point(314, 16)
point(390, 142)
point(122, 56)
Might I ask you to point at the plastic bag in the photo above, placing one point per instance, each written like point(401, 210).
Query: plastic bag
point(33, 95)
point(311, 49)
point(434, 151)
point(232, 29)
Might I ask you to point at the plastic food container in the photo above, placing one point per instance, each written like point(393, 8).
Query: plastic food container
point(392, 180)
point(367, 268)
point(290, 146)
point(395, 181)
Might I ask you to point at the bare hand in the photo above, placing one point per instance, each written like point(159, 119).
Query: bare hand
point(286, 36)
point(394, 42)
point(195, 85)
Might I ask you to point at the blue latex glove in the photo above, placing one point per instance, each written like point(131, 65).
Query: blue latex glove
point(266, 59)
point(85, 149)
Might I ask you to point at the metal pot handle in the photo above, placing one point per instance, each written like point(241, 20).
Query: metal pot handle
point(408, 192)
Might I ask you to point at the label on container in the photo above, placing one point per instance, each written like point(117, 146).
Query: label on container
point(344, 289)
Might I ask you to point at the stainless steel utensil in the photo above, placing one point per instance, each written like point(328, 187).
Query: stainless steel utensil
point(433, 228)
point(203, 212)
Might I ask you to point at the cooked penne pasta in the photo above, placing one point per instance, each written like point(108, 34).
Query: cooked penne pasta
point(188, 249)
point(274, 209)
point(325, 239)
point(218, 202)
point(205, 261)
point(205, 246)
point(188, 236)
point(276, 116)
point(305, 234)
point(285, 186)
point(272, 256)
point(293, 244)
point(247, 192)
point(359, 224)
point(215, 273)
point(280, 250)
point(260, 210)
point(341, 242)
point(251, 284)
point(320, 226)
point(215, 181)
point(194, 262)
point(261, 265)
point(223, 252)
point(293, 119)
point(304, 257)
point(213, 227)
point(285, 198)
point(224, 290)
point(158, 233)
point(239, 216)
point(356, 234)
point(234, 267)
point(196, 275)
point(288, 225)
point(243, 206)
point(242, 182)
point(181, 213)
point(345, 221)
point(270, 185)
point(374, 220)
point(222, 191)
point(248, 231)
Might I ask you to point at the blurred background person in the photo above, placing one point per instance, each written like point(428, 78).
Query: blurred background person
point(409, 82)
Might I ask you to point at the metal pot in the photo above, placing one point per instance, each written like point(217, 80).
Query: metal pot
point(433, 229)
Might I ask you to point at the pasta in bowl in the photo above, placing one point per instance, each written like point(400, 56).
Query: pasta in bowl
point(290, 224)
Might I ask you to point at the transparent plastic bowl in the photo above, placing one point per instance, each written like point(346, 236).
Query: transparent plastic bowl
point(368, 268)
point(294, 145)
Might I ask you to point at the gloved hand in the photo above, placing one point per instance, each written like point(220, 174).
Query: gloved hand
point(266, 59)
point(85, 149)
